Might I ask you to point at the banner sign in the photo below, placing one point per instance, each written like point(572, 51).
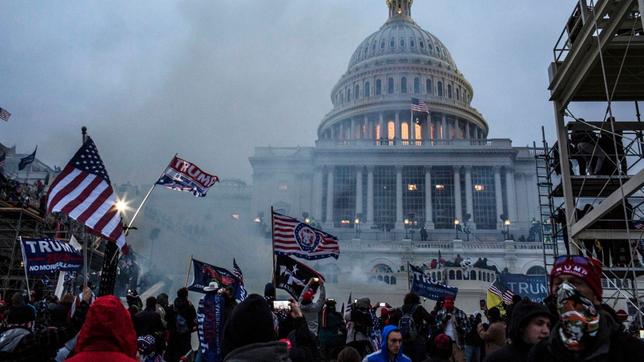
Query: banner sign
point(422, 285)
point(47, 255)
point(204, 273)
point(533, 287)
point(292, 276)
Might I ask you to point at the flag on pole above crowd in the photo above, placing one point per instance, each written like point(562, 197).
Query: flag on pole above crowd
point(292, 275)
point(4, 114)
point(83, 192)
point(419, 106)
point(498, 293)
point(424, 286)
point(204, 273)
point(27, 160)
point(182, 175)
point(292, 237)
point(240, 277)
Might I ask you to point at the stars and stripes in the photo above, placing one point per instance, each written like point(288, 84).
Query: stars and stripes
point(4, 114)
point(419, 106)
point(83, 192)
point(501, 291)
point(292, 237)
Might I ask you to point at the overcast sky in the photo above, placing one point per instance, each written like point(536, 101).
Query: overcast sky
point(213, 79)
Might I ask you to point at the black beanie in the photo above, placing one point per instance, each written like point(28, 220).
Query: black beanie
point(21, 314)
point(250, 322)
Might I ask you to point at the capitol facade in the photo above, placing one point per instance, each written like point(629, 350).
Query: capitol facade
point(397, 186)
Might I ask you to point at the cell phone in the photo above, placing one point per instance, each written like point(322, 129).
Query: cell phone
point(383, 304)
point(282, 305)
point(316, 279)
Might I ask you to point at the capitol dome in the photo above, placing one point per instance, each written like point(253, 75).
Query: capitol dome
point(401, 61)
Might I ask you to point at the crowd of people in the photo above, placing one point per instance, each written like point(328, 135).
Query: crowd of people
point(571, 325)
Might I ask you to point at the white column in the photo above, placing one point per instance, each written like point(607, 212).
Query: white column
point(369, 222)
point(412, 129)
point(317, 194)
point(469, 202)
point(444, 127)
point(399, 203)
point(512, 196)
point(498, 193)
point(352, 132)
point(359, 192)
point(329, 198)
point(458, 208)
point(429, 220)
point(383, 129)
point(467, 130)
point(366, 128)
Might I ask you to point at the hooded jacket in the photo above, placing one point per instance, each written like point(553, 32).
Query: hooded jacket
point(251, 322)
point(610, 344)
point(518, 350)
point(260, 352)
point(107, 335)
point(383, 354)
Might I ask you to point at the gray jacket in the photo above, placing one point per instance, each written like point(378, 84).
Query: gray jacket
point(311, 311)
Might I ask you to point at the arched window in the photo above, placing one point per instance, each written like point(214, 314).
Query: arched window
point(404, 131)
point(428, 86)
point(357, 91)
point(390, 85)
point(422, 45)
point(341, 97)
point(382, 44)
point(392, 280)
point(392, 43)
point(380, 278)
point(439, 85)
point(472, 275)
point(378, 135)
point(348, 94)
point(418, 131)
point(451, 275)
point(367, 89)
point(449, 91)
point(412, 43)
point(391, 130)
point(403, 84)
point(378, 87)
point(433, 275)
point(387, 279)
point(458, 94)
point(536, 270)
point(459, 275)
point(402, 43)
point(416, 85)
point(480, 275)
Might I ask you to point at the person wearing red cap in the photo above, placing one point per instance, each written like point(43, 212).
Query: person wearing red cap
point(311, 309)
point(586, 331)
point(453, 322)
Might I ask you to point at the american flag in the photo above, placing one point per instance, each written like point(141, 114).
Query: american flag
point(419, 106)
point(4, 114)
point(504, 293)
point(83, 192)
point(241, 291)
point(292, 237)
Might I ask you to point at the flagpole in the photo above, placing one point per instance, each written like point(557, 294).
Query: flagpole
point(272, 247)
point(85, 259)
point(188, 273)
point(408, 280)
point(24, 263)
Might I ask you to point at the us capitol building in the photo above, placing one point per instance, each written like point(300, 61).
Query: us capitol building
point(397, 186)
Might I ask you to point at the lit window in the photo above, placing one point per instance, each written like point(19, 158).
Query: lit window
point(412, 187)
point(479, 187)
point(404, 131)
point(283, 187)
point(440, 187)
point(391, 130)
point(345, 222)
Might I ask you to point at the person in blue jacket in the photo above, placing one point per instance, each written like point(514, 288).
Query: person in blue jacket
point(390, 347)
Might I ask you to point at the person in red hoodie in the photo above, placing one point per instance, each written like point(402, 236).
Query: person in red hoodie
point(107, 334)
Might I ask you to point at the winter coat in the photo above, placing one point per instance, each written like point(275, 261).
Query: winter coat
point(250, 323)
point(383, 354)
point(517, 349)
point(107, 335)
point(21, 344)
point(494, 337)
point(610, 344)
point(260, 352)
point(312, 310)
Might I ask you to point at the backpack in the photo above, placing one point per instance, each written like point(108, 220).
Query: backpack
point(407, 326)
point(181, 324)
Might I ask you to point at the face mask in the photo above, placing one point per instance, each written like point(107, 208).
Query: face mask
point(579, 318)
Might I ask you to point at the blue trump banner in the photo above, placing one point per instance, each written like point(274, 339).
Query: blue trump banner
point(47, 255)
point(422, 285)
point(533, 287)
point(205, 273)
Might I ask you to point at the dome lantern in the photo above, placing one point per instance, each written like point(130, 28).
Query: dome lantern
point(399, 8)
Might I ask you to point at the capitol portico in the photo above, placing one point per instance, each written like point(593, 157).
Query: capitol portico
point(381, 174)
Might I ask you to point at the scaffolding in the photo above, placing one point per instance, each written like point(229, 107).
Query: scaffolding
point(593, 174)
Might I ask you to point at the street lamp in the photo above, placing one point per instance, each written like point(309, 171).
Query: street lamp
point(457, 224)
point(356, 223)
point(507, 224)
